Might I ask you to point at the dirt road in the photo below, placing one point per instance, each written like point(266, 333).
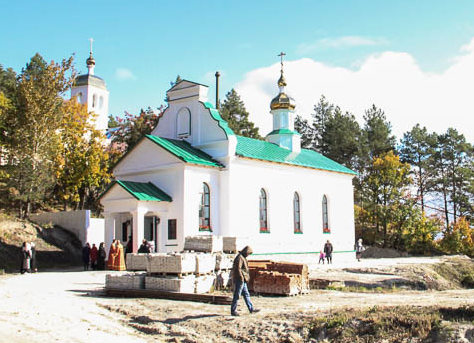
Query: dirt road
point(63, 307)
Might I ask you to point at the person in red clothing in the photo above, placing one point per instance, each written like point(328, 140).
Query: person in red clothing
point(112, 254)
point(119, 259)
point(94, 254)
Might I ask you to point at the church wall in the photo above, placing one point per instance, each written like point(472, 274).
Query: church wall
point(280, 182)
point(205, 131)
point(146, 156)
point(193, 187)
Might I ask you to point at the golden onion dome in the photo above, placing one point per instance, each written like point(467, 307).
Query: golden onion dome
point(90, 60)
point(282, 101)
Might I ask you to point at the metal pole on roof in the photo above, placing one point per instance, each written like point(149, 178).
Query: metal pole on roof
point(217, 89)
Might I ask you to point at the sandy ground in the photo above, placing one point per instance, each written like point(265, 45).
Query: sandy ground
point(64, 306)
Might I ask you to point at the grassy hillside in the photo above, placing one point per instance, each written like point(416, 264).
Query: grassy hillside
point(54, 247)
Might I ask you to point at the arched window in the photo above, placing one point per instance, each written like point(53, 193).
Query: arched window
point(263, 211)
point(326, 228)
point(79, 97)
point(205, 209)
point(94, 100)
point(183, 123)
point(296, 213)
point(101, 102)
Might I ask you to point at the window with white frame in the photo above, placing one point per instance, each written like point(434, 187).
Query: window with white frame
point(297, 213)
point(326, 228)
point(263, 207)
point(183, 123)
point(205, 209)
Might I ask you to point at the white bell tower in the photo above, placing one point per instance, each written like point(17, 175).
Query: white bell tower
point(92, 91)
point(283, 110)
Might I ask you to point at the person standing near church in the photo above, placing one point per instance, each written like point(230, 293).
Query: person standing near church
point(94, 255)
point(86, 251)
point(101, 255)
point(328, 251)
point(25, 258)
point(112, 254)
point(33, 267)
point(240, 278)
point(119, 260)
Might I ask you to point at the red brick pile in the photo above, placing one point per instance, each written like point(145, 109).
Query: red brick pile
point(283, 278)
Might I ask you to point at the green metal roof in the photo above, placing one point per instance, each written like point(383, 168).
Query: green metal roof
point(261, 150)
point(184, 151)
point(143, 191)
point(284, 132)
point(217, 117)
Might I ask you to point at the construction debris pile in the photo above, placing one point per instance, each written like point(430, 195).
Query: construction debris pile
point(206, 265)
point(284, 278)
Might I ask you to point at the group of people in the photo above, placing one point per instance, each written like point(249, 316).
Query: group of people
point(326, 253)
point(93, 257)
point(28, 258)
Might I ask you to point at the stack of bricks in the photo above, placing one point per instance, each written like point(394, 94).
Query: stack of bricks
point(204, 283)
point(205, 263)
point(171, 263)
point(293, 268)
point(136, 261)
point(185, 284)
point(284, 278)
point(208, 243)
point(125, 281)
point(233, 244)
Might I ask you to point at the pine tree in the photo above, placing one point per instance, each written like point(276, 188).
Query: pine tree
point(452, 163)
point(233, 111)
point(417, 147)
point(306, 130)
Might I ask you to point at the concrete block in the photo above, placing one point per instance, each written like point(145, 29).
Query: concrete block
point(207, 243)
point(185, 284)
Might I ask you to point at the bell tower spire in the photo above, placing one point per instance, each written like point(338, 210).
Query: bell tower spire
point(282, 108)
point(89, 89)
point(90, 61)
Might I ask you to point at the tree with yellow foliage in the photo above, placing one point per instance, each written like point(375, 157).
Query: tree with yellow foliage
point(81, 165)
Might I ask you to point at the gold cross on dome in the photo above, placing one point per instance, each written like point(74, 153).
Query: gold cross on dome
point(91, 40)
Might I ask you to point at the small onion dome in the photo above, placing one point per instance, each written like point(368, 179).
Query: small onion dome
point(90, 61)
point(282, 101)
point(281, 81)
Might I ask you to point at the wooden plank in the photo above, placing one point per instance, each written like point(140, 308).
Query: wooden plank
point(151, 293)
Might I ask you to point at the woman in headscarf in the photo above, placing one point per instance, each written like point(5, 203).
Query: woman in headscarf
point(101, 257)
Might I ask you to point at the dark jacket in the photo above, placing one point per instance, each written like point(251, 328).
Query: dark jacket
point(328, 249)
point(240, 268)
point(144, 249)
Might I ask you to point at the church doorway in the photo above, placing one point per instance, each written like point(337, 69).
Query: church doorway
point(151, 231)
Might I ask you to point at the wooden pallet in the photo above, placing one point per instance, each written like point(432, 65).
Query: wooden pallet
point(178, 275)
point(150, 293)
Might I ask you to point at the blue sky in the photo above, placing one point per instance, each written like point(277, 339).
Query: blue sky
point(140, 47)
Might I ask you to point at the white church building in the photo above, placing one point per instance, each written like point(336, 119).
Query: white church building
point(194, 176)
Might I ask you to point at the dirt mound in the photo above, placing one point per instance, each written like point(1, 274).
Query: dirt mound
point(55, 247)
point(376, 252)
point(396, 324)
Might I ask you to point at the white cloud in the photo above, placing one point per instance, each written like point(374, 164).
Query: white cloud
point(124, 74)
point(392, 81)
point(339, 43)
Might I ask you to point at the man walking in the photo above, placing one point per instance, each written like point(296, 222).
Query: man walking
point(328, 251)
point(240, 277)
